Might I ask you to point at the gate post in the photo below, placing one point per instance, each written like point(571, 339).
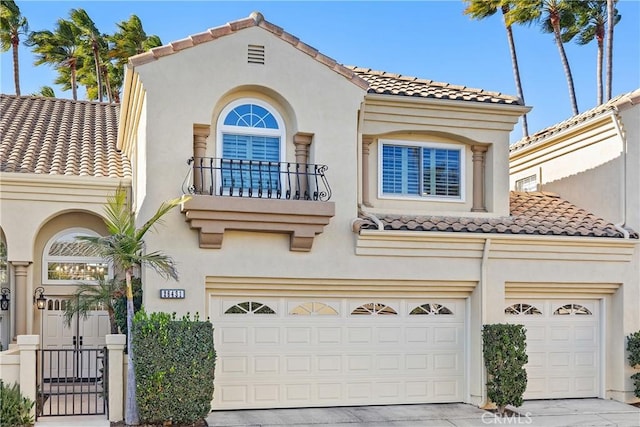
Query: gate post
point(115, 347)
point(28, 344)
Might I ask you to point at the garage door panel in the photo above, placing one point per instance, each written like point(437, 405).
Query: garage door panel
point(584, 384)
point(232, 335)
point(302, 357)
point(448, 335)
point(298, 335)
point(563, 345)
point(585, 360)
point(328, 335)
point(266, 364)
point(586, 335)
point(417, 335)
point(234, 365)
point(264, 335)
point(389, 362)
point(359, 335)
point(389, 335)
point(417, 362)
point(267, 393)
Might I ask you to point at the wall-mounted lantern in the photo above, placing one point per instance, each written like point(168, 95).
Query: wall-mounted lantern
point(40, 300)
point(4, 301)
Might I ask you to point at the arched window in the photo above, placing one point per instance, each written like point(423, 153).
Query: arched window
point(430, 309)
point(522, 309)
point(572, 309)
point(67, 260)
point(313, 308)
point(250, 135)
point(374, 309)
point(250, 307)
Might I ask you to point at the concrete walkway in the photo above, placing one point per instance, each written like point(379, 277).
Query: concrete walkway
point(538, 413)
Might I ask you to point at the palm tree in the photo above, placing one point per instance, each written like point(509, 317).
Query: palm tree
point(46, 91)
point(90, 35)
point(590, 25)
point(12, 25)
point(129, 40)
point(89, 296)
point(612, 15)
point(58, 49)
point(124, 247)
point(553, 16)
point(480, 9)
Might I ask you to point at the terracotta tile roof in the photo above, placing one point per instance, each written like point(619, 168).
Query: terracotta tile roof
point(599, 110)
point(385, 83)
point(535, 213)
point(373, 81)
point(60, 137)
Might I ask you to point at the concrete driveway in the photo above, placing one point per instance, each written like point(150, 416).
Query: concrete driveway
point(543, 413)
point(537, 413)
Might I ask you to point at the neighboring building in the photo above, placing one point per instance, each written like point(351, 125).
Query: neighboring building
point(593, 159)
point(349, 231)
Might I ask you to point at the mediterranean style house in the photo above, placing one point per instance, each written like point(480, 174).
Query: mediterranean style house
point(348, 231)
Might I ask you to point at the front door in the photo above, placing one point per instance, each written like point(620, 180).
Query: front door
point(81, 333)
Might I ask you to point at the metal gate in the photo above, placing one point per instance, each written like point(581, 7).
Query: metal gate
point(72, 382)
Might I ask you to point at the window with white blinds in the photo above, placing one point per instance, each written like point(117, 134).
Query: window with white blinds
point(251, 132)
point(421, 170)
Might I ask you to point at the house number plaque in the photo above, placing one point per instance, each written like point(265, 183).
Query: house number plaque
point(172, 293)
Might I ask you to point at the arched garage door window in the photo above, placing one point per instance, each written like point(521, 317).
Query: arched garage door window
point(67, 260)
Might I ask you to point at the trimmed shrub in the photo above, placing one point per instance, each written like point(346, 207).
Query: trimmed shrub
point(174, 363)
point(633, 347)
point(504, 351)
point(14, 408)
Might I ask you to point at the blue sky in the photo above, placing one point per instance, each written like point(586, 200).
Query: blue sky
point(427, 39)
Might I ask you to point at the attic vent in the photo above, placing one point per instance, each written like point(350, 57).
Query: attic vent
point(255, 54)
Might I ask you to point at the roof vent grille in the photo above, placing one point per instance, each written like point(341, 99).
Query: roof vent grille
point(255, 54)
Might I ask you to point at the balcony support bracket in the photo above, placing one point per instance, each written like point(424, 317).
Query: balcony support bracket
point(212, 215)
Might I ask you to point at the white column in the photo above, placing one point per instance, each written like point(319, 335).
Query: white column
point(28, 344)
point(115, 347)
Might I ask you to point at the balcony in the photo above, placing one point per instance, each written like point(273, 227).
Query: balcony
point(250, 195)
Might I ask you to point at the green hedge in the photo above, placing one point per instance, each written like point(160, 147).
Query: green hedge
point(14, 407)
point(633, 347)
point(174, 362)
point(504, 351)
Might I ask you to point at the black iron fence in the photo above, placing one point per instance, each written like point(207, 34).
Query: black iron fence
point(71, 382)
point(259, 179)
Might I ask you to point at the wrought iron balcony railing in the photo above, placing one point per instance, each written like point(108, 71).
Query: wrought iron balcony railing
point(257, 179)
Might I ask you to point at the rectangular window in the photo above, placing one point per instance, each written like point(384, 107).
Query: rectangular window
point(422, 171)
point(529, 183)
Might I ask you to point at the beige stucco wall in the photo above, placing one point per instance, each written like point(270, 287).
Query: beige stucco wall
point(194, 85)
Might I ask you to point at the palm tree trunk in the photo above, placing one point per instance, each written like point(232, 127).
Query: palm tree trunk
point(599, 69)
point(131, 408)
point(16, 65)
point(112, 320)
point(107, 83)
point(516, 76)
point(610, 24)
point(96, 60)
point(567, 69)
point(74, 85)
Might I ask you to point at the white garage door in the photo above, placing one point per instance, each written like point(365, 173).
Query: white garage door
point(278, 352)
point(563, 345)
